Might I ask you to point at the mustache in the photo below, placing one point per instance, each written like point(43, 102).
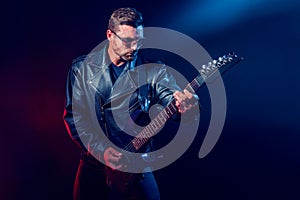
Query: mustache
point(132, 52)
point(129, 55)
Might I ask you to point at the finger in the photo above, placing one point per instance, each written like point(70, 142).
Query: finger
point(177, 104)
point(115, 152)
point(110, 157)
point(188, 94)
point(179, 101)
point(176, 95)
point(118, 166)
point(180, 97)
point(192, 98)
point(114, 166)
point(114, 159)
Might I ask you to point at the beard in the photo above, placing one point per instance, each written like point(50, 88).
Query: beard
point(129, 56)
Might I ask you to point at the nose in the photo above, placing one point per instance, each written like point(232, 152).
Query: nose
point(134, 45)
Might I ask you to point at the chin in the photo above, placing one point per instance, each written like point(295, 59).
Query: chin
point(128, 58)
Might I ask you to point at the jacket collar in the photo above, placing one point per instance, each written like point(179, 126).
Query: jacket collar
point(100, 59)
point(99, 63)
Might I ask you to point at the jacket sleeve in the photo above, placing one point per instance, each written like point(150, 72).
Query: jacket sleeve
point(77, 117)
point(165, 85)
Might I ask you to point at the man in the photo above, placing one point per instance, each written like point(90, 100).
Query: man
point(100, 89)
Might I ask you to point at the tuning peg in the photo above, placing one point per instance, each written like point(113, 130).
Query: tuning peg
point(232, 54)
point(214, 64)
point(202, 70)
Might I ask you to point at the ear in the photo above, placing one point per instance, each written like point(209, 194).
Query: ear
point(109, 34)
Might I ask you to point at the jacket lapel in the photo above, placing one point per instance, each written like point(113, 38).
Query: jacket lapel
point(101, 78)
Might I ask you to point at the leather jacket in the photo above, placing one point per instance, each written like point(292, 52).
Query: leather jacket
point(93, 102)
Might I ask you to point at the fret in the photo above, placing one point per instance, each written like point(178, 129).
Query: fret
point(135, 143)
point(200, 80)
point(150, 130)
point(156, 122)
point(172, 107)
point(138, 142)
point(142, 141)
point(162, 117)
point(165, 115)
point(147, 132)
point(142, 134)
point(195, 84)
point(153, 125)
point(160, 121)
point(168, 112)
point(190, 87)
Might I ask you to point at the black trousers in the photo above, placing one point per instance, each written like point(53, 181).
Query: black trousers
point(90, 184)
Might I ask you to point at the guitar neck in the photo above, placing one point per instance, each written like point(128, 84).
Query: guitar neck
point(206, 72)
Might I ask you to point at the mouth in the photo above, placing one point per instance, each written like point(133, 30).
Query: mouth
point(130, 55)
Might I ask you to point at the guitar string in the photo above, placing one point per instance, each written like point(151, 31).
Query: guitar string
point(165, 114)
point(137, 142)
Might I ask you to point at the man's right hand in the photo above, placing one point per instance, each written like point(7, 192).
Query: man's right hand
point(113, 158)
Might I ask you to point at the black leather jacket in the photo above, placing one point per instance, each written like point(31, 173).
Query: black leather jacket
point(93, 101)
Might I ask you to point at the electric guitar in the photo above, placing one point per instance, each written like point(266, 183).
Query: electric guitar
point(123, 181)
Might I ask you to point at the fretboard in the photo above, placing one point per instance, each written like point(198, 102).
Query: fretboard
point(207, 71)
point(159, 121)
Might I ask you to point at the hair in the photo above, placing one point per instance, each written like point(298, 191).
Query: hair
point(125, 16)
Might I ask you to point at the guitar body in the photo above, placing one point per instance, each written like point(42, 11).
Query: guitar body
point(121, 181)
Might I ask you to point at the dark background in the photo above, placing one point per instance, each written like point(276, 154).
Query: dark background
point(257, 155)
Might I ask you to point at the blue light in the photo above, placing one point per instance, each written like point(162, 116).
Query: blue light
point(214, 15)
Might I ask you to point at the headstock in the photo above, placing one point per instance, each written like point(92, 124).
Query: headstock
point(221, 64)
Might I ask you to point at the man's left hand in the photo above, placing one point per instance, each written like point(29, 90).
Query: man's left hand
point(185, 101)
